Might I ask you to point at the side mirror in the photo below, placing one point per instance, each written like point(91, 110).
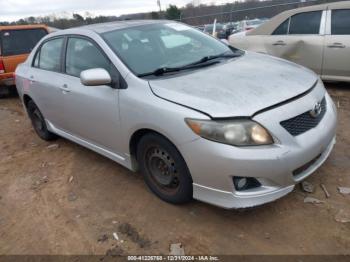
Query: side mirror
point(95, 77)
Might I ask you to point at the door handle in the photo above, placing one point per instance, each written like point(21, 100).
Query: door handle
point(32, 79)
point(65, 88)
point(279, 43)
point(336, 45)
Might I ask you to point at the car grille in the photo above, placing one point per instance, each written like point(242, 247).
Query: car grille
point(304, 122)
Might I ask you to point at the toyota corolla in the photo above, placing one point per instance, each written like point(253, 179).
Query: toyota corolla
point(197, 118)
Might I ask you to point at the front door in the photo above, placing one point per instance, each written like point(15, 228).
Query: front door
point(93, 111)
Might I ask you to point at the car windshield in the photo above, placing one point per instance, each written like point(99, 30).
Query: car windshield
point(163, 45)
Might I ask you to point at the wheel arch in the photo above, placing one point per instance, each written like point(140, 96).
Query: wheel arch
point(135, 139)
point(26, 99)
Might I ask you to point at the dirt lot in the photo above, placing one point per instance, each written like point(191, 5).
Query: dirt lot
point(63, 200)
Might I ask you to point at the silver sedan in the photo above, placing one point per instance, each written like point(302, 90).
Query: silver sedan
point(199, 119)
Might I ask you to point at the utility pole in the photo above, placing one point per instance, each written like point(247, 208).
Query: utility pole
point(160, 6)
point(231, 12)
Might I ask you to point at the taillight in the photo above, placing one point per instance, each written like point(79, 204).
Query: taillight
point(249, 28)
point(2, 67)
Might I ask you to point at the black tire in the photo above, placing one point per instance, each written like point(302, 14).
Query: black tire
point(38, 122)
point(164, 170)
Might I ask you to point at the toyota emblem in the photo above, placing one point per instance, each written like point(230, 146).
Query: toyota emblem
point(316, 111)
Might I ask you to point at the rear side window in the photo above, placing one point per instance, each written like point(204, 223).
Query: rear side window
point(49, 55)
point(282, 29)
point(82, 55)
point(341, 22)
point(305, 23)
point(17, 42)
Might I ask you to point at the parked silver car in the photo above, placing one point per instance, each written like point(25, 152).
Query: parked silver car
point(199, 119)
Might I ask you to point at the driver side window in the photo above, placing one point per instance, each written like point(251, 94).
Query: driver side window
point(82, 55)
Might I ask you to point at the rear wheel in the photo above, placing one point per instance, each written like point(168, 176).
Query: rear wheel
point(164, 170)
point(38, 122)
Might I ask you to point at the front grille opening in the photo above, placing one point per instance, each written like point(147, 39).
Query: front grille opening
point(299, 171)
point(304, 122)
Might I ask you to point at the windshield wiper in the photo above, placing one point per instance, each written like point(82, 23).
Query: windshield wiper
point(213, 57)
point(164, 70)
point(205, 61)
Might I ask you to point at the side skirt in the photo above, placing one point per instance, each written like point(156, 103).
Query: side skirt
point(124, 161)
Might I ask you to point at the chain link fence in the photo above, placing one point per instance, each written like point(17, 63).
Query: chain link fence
point(239, 11)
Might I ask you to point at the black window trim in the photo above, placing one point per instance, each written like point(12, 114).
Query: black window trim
point(84, 38)
point(1, 43)
point(38, 51)
point(122, 82)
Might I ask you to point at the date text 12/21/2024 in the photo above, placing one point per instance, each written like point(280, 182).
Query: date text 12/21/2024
point(173, 258)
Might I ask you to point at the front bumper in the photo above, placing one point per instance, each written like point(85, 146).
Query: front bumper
point(213, 165)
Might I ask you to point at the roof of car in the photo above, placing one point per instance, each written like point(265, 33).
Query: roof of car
point(19, 27)
point(269, 26)
point(105, 27)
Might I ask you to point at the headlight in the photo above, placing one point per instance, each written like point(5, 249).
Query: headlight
point(240, 132)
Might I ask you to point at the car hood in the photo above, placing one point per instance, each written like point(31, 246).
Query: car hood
point(239, 87)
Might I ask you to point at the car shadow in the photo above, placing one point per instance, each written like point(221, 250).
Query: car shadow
point(9, 93)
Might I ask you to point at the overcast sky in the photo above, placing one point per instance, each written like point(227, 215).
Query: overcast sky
point(11, 10)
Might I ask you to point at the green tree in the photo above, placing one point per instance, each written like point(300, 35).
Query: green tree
point(78, 17)
point(154, 15)
point(31, 20)
point(173, 12)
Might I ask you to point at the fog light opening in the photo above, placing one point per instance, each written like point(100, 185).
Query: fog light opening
point(245, 183)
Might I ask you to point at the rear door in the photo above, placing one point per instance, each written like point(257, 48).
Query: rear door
point(336, 64)
point(300, 39)
point(17, 44)
point(47, 80)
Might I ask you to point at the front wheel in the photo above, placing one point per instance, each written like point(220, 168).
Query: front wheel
point(164, 170)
